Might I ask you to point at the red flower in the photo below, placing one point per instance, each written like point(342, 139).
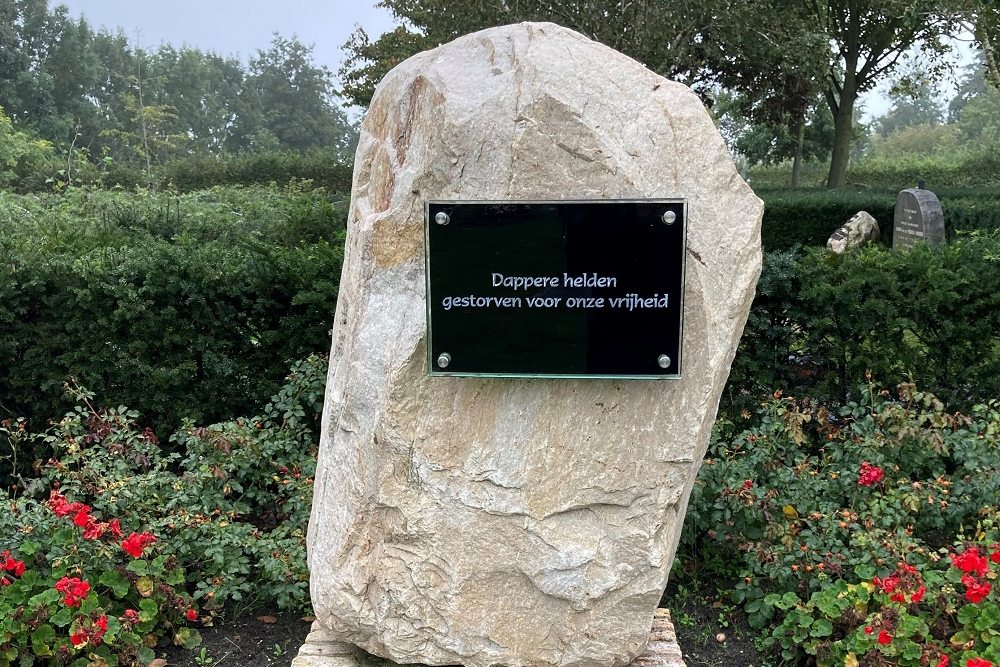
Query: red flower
point(100, 627)
point(884, 638)
point(943, 662)
point(995, 556)
point(115, 527)
point(869, 474)
point(919, 595)
point(94, 530)
point(135, 543)
point(747, 484)
point(975, 592)
point(970, 562)
point(898, 597)
point(978, 662)
point(74, 590)
point(887, 585)
point(192, 615)
point(869, 629)
point(131, 616)
point(78, 638)
point(82, 518)
point(8, 564)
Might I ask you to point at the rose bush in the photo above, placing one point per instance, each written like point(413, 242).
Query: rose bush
point(859, 535)
point(120, 542)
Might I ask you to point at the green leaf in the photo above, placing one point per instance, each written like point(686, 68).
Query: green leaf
point(147, 610)
point(62, 618)
point(146, 655)
point(138, 566)
point(821, 628)
point(117, 582)
point(42, 640)
point(188, 638)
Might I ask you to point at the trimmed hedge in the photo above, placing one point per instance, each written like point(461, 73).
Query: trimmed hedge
point(188, 306)
point(197, 172)
point(808, 217)
point(821, 320)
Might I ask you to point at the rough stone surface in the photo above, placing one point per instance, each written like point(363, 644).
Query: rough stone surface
point(860, 230)
point(322, 649)
point(918, 218)
point(514, 521)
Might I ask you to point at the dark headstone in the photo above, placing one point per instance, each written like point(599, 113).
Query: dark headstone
point(918, 217)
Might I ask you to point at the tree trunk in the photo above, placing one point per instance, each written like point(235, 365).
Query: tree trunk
point(989, 55)
point(797, 160)
point(843, 129)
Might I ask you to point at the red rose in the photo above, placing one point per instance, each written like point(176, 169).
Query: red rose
point(869, 474)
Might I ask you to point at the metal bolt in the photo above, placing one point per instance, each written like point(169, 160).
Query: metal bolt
point(442, 218)
point(663, 361)
point(669, 217)
point(444, 358)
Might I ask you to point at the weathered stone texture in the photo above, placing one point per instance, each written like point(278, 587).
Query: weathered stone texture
point(514, 521)
point(860, 230)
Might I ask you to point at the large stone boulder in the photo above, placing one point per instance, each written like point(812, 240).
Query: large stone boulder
point(860, 230)
point(516, 521)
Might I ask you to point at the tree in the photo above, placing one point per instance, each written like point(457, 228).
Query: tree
point(683, 40)
point(294, 97)
point(869, 39)
point(914, 103)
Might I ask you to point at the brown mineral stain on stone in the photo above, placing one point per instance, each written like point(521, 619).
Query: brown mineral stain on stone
point(381, 182)
point(417, 110)
point(376, 121)
point(394, 244)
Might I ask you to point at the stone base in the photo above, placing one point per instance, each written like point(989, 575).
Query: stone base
point(322, 649)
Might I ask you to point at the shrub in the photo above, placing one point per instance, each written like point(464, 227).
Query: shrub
point(808, 217)
point(139, 542)
point(187, 306)
point(820, 319)
point(813, 503)
point(198, 172)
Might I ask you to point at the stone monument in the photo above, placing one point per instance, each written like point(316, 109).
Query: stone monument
point(918, 217)
point(514, 521)
point(860, 230)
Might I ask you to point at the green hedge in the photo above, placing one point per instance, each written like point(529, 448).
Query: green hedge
point(197, 172)
point(808, 217)
point(821, 320)
point(188, 306)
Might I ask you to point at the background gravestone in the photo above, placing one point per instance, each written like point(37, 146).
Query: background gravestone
point(918, 217)
point(515, 521)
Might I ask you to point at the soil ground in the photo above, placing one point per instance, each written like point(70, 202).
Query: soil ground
point(710, 633)
point(243, 642)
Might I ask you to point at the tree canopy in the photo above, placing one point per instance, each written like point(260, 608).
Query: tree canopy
point(777, 56)
point(95, 93)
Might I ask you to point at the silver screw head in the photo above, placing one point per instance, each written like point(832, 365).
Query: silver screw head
point(442, 218)
point(663, 361)
point(444, 358)
point(669, 217)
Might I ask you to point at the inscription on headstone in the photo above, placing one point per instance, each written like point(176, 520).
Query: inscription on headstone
point(918, 217)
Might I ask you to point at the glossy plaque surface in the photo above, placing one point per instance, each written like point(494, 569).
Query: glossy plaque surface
point(555, 289)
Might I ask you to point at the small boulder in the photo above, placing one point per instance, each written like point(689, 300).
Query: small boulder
point(858, 231)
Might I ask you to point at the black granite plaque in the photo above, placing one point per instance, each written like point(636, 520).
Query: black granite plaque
point(555, 289)
point(918, 217)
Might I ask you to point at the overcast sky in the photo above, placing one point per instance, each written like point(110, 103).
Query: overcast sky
point(242, 27)
point(236, 27)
